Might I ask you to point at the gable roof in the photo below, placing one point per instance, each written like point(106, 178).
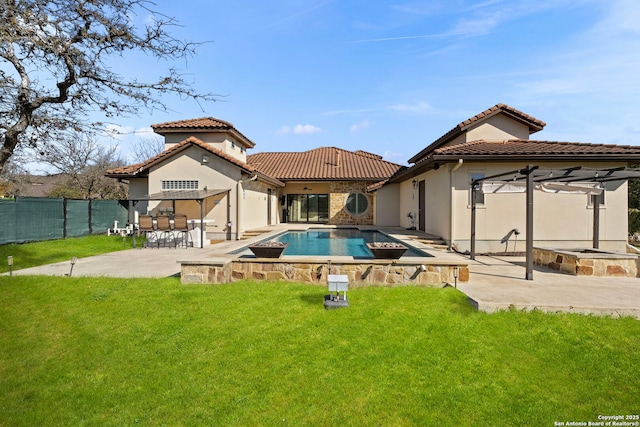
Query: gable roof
point(524, 150)
point(324, 163)
point(142, 169)
point(536, 150)
point(202, 124)
point(534, 125)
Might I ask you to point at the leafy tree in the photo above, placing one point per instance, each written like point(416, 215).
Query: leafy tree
point(55, 67)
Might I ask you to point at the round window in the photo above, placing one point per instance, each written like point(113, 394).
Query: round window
point(357, 204)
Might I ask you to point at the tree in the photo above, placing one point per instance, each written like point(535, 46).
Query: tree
point(55, 70)
point(84, 162)
point(146, 148)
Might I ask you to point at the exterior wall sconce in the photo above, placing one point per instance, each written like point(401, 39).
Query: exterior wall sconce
point(414, 183)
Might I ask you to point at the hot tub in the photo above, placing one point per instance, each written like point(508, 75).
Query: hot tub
point(587, 262)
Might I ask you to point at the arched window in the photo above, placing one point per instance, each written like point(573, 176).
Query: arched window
point(357, 204)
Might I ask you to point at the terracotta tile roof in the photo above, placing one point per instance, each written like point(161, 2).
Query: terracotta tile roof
point(534, 124)
point(325, 163)
point(523, 148)
point(202, 124)
point(520, 150)
point(142, 168)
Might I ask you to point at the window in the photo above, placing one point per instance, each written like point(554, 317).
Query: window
point(357, 204)
point(479, 194)
point(179, 184)
point(233, 145)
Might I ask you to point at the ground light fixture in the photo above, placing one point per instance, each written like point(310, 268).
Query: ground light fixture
point(456, 272)
point(73, 262)
point(10, 263)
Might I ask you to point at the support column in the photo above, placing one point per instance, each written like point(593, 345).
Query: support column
point(474, 189)
point(596, 221)
point(529, 228)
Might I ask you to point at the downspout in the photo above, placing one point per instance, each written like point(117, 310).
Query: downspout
point(452, 216)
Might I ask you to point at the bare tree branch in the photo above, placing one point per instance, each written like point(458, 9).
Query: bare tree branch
point(55, 73)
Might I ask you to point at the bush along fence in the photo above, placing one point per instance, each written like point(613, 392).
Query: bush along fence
point(28, 219)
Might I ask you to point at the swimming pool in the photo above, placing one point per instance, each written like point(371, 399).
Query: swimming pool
point(337, 242)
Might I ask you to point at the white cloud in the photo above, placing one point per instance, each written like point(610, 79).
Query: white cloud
point(421, 107)
point(298, 129)
point(305, 129)
point(360, 126)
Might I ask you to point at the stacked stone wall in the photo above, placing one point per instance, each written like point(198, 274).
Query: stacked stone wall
point(359, 274)
point(613, 266)
point(338, 193)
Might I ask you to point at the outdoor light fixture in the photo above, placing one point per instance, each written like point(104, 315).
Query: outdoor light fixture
point(10, 262)
point(456, 272)
point(205, 159)
point(73, 262)
point(415, 184)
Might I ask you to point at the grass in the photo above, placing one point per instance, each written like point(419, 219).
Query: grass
point(39, 253)
point(154, 352)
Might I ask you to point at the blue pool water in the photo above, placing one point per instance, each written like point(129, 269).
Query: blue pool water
point(336, 242)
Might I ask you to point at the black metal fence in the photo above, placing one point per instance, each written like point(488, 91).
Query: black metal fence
point(28, 219)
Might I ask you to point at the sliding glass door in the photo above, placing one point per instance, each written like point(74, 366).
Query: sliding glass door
point(308, 207)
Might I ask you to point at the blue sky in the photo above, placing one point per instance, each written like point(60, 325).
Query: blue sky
point(390, 77)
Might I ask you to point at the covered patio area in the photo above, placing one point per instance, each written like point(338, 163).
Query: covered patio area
point(198, 226)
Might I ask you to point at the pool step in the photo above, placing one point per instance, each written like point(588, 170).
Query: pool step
point(436, 243)
point(252, 233)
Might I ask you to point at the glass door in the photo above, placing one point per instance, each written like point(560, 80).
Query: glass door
point(308, 207)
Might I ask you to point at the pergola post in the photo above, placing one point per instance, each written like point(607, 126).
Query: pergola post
point(529, 226)
point(596, 221)
point(474, 189)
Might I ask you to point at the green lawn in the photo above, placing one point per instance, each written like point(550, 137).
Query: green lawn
point(50, 251)
point(79, 351)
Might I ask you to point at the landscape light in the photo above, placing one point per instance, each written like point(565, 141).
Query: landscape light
point(73, 262)
point(10, 262)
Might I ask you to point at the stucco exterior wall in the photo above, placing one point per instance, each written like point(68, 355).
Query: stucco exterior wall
point(438, 205)
point(498, 127)
point(215, 174)
point(387, 206)
point(560, 220)
point(220, 140)
point(408, 203)
point(254, 204)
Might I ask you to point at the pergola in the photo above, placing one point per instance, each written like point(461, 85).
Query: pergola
point(197, 195)
point(534, 176)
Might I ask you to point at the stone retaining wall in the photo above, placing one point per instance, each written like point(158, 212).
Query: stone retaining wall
point(599, 264)
point(359, 273)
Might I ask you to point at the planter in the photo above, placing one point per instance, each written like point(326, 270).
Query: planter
point(268, 249)
point(387, 250)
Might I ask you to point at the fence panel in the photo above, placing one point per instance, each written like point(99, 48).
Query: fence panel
point(104, 212)
point(9, 223)
point(28, 219)
point(77, 218)
point(39, 219)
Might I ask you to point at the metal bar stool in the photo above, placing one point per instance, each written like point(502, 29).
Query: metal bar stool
point(181, 226)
